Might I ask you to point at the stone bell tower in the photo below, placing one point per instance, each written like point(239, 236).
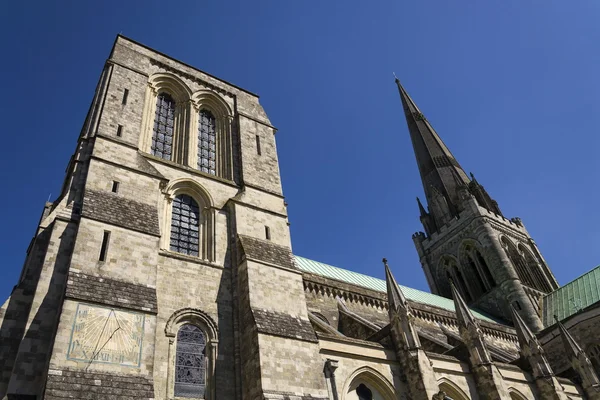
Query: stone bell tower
point(492, 260)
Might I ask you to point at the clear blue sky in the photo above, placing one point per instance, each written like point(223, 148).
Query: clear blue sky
point(512, 86)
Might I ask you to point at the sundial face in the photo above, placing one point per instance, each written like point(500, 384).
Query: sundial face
point(106, 335)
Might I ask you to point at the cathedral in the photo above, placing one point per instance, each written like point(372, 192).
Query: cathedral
point(164, 270)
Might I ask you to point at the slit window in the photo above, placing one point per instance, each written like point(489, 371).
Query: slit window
point(119, 130)
point(104, 246)
point(115, 187)
point(267, 233)
point(125, 95)
point(258, 150)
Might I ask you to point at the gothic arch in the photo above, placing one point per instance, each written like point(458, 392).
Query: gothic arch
point(449, 268)
point(518, 261)
point(373, 379)
point(515, 394)
point(536, 269)
point(199, 319)
point(207, 211)
point(452, 390)
point(471, 267)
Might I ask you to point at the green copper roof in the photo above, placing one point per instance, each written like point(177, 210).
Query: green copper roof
point(354, 278)
point(572, 297)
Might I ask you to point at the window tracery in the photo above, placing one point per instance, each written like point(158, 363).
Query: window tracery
point(190, 362)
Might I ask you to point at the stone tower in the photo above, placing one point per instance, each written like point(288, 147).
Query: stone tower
point(492, 260)
point(164, 268)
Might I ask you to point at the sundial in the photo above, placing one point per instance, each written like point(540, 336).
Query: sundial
point(106, 335)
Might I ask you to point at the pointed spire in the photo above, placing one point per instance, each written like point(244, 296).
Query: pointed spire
point(533, 351)
point(421, 208)
point(396, 298)
point(463, 312)
point(569, 342)
point(437, 165)
point(470, 331)
point(526, 337)
point(580, 363)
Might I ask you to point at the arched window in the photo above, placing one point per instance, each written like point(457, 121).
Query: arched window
point(185, 226)
point(473, 272)
point(460, 281)
point(190, 362)
point(164, 126)
point(455, 275)
point(367, 384)
point(484, 268)
point(541, 283)
point(519, 263)
point(593, 352)
point(207, 142)
point(452, 391)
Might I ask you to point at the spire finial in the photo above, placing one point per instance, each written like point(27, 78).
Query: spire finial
point(396, 298)
point(395, 77)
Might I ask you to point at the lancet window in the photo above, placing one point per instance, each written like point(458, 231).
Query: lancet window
point(190, 363)
point(164, 126)
point(192, 129)
point(207, 142)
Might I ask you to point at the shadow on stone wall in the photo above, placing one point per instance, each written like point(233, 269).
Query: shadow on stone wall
point(29, 371)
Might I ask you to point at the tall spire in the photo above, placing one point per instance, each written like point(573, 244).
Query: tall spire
point(438, 168)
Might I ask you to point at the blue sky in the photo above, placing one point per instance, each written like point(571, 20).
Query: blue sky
point(512, 87)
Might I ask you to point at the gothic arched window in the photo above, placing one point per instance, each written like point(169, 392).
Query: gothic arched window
point(462, 284)
point(190, 362)
point(164, 126)
point(207, 142)
point(594, 353)
point(473, 272)
point(484, 268)
point(185, 225)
